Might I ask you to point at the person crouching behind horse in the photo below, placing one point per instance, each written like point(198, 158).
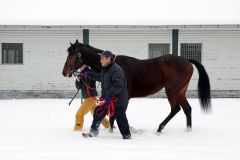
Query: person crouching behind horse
point(114, 92)
point(89, 104)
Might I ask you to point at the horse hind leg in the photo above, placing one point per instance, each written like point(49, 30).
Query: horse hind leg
point(188, 112)
point(186, 108)
point(175, 108)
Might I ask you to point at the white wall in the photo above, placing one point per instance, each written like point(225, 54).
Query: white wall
point(44, 54)
point(131, 42)
point(220, 55)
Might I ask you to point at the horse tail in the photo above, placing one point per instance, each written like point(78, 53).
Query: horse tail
point(203, 86)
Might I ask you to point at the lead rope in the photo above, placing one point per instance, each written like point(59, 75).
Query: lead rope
point(73, 97)
point(101, 102)
point(75, 73)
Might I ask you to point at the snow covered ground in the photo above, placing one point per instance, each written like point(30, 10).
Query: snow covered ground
point(43, 129)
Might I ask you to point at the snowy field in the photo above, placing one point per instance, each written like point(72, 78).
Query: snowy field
point(42, 129)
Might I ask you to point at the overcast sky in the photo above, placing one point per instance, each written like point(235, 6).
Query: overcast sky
point(119, 12)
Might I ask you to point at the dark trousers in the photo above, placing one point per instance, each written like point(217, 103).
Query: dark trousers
point(120, 116)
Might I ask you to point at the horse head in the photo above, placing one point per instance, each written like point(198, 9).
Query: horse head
point(73, 61)
point(81, 54)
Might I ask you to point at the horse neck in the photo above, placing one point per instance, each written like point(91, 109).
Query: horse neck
point(91, 59)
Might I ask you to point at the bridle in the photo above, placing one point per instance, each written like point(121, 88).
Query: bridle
point(79, 59)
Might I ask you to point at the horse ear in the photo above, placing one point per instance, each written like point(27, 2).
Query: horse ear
point(71, 44)
point(76, 41)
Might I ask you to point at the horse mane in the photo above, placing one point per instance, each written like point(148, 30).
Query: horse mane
point(69, 50)
point(93, 48)
point(124, 57)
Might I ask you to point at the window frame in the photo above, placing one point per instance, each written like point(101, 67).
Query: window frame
point(194, 58)
point(150, 55)
point(22, 53)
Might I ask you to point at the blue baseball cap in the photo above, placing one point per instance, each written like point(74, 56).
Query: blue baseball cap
point(107, 53)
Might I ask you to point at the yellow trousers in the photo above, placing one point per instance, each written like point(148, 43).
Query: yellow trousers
point(89, 104)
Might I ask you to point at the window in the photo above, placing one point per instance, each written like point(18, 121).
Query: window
point(156, 50)
point(12, 53)
point(191, 51)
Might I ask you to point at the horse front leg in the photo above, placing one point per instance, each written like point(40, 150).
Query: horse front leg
point(111, 121)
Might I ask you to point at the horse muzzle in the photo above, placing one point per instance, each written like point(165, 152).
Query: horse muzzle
point(69, 74)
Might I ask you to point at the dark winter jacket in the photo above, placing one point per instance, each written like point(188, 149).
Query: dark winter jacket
point(114, 83)
point(82, 85)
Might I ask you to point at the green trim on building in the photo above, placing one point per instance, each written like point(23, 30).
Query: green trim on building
point(175, 41)
point(85, 36)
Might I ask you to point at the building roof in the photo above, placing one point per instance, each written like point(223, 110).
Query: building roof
point(119, 12)
point(135, 27)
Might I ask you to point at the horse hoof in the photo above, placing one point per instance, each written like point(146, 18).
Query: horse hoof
point(189, 129)
point(158, 133)
point(133, 130)
point(110, 130)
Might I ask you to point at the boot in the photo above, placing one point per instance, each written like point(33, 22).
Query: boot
point(78, 127)
point(127, 136)
point(92, 133)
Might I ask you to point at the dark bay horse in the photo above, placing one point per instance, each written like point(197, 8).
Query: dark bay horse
point(146, 77)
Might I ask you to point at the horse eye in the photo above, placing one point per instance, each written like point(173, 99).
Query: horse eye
point(79, 55)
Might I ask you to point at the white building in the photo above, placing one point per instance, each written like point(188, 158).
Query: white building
point(32, 57)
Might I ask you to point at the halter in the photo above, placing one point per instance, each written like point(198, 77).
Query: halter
point(79, 57)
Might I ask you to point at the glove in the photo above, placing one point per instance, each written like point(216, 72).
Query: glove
point(107, 100)
point(83, 68)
